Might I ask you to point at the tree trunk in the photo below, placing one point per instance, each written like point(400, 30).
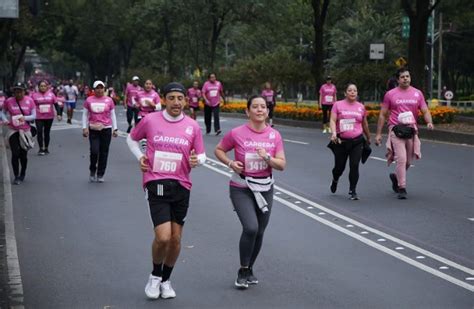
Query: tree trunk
point(319, 11)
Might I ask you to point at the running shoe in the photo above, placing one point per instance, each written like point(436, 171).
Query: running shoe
point(333, 186)
point(22, 177)
point(402, 194)
point(92, 178)
point(129, 129)
point(167, 290)
point(394, 180)
point(100, 179)
point(251, 279)
point(242, 276)
point(218, 132)
point(46, 151)
point(325, 130)
point(69, 121)
point(152, 288)
point(41, 152)
point(353, 196)
point(17, 181)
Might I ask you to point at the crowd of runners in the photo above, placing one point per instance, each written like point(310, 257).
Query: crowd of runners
point(174, 146)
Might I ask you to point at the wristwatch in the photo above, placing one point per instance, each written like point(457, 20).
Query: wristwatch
point(267, 157)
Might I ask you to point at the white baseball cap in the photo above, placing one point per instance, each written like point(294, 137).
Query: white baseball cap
point(135, 78)
point(98, 83)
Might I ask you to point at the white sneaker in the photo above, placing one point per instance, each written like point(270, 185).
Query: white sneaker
point(167, 290)
point(100, 179)
point(152, 288)
point(325, 130)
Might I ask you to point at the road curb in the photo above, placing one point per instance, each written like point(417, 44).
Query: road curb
point(435, 135)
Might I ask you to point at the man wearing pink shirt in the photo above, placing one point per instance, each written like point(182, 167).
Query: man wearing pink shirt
point(174, 146)
point(131, 92)
point(401, 105)
point(212, 91)
point(327, 96)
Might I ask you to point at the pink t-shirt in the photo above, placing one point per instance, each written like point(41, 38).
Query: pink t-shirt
point(328, 94)
point(100, 109)
point(244, 140)
point(350, 117)
point(60, 99)
point(11, 107)
point(194, 95)
point(404, 105)
point(268, 95)
point(212, 92)
point(169, 146)
point(143, 107)
point(44, 104)
point(131, 91)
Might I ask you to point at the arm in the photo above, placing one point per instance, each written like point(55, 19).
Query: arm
point(427, 117)
point(114, 122)
point(332, 124)
point(32, 116)
point(220, 153)
point(85, 122)
point(319, 102)
point(4, 116)
point(134, 147)
point(278, 162)
point(384, 113)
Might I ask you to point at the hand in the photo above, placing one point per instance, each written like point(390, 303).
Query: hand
point(334, 137)
point(21, 120)
point(193, 159)
point(378, 139)
point(262, 153)
point(237, 166)
point(85, 132)
point(115, 133)
point(430, 126)
point(144, 166)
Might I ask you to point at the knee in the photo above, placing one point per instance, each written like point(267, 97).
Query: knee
point(162, 240)
point(250, 231)
point(175, 241)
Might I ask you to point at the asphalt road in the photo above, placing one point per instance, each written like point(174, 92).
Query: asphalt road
point(83, 245)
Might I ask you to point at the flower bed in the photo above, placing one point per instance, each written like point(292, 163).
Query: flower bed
point(440, 114)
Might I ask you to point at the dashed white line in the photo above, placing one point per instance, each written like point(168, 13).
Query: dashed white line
point(377, 158)
point(296, 142)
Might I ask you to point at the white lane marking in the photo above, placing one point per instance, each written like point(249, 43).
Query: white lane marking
point(13, 264)
point(399, 248)
point(470, 219)
point(321, 213)
point(367, 241)
point(295, 142)
point(381, 240)
point(444, 267)
point(65, 127)
point(309, 207)
point(420, 257)
point(364, 232)
point(377, 158)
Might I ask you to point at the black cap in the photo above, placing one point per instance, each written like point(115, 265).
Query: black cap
point(174, 86)
point(19, 86)
point(328, 78)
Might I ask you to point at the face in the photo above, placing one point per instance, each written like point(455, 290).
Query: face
point(404, 79)
point(196, 85)
point(328, 81)
point(212, 78)
point(257, 112)
point(148, 85)
point(19, 93)
point(43, 87)
point(175, 102)
point(135, 82)
point(351, 93)
point(267, 85)
point(71, 82)
point(99, 90)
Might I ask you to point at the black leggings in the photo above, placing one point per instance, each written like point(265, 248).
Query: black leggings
point(19, 155)
point(326, 111)
point(132, 113)
point(351, 149)
point(44, 129)
point(208, 112)
point(99, 143)
point(253, 222)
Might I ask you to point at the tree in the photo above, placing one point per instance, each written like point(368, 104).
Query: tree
point(320, 10)
point(418, 16)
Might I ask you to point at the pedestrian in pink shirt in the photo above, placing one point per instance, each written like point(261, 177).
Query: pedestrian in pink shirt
point(348, 126)
point(99, 124)
point(147, 101)
point(401, 106)
point(174, 147)
point(327, 96)
point(270, 98)
point(212, 92)
point(258, 150)
point(131, 92)
point(193, 96)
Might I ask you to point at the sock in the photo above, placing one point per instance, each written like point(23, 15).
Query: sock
point(166, 272)
point(157, 270)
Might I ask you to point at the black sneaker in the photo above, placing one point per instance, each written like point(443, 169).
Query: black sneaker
point(46, 151)
point(394, 180)
point(129, 129)
point(251, 279)
point(333, 186)
point(242, 276)
point(69, 121)
point(22, 177)
point(353, 196)
point(218, 132)
point(402, 194)
point(17, 181)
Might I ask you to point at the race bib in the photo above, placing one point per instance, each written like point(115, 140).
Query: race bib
point(253, 163)
point(144, 102)
point(16, 120)
point(328, 99)
point(167, 162)
point(213, 93)
point(60, 103)
point(406, 118)
point(194, 99)
point(98, 107)
point(44, 108)
point(269, 99)
point(346, 125)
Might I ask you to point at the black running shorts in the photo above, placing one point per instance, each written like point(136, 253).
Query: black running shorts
point(168, 201)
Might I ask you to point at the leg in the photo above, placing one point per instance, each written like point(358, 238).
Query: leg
point(217, 123)
point(325, 115)
point(40, 125)
point(94, 140)
point(135, 115)
point(24, 163)
point(263, 219)
point(161, 241)
point(14, 142)
point(47, 132)
point(207, 118)
point(354, 161)
point(400, 151)
point(340, 159)
point(105, 136)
